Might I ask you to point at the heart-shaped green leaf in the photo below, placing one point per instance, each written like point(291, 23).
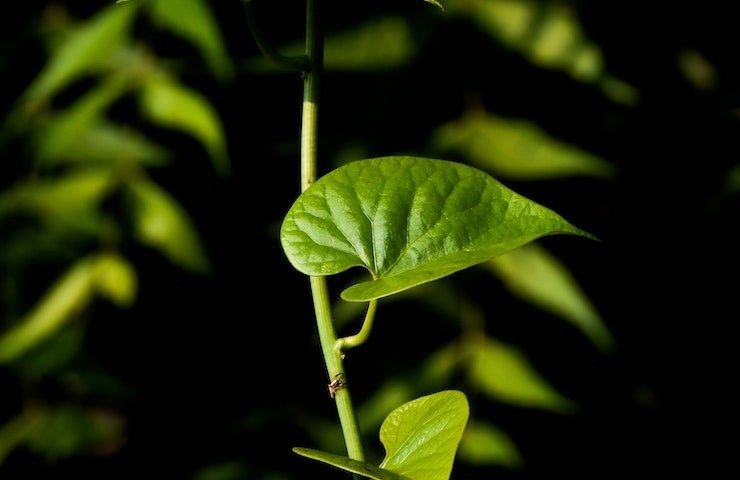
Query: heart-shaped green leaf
point(409, 221)
point(347, 464)
point(421, 436)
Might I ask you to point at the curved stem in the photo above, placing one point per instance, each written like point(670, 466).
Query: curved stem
point(300, 63)
point(319, 290)
point(361, 337)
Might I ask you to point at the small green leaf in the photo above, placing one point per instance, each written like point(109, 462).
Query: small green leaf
point(484, 444)
point(95, 40)
point(174, 106)
point(194, 21)
point(348, 465)
point(533, 274)
point(504, 374)
point(421, 436)
point(516, 149)
point(409, 221)
point(160, 222)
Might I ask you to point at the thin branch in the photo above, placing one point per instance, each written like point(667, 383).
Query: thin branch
point(298, 63)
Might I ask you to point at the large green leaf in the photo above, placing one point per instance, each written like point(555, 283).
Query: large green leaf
point(421, 436)
point(174, 106)
point(504, 374)
point(516, 149)
point(160, 222)
point(348, 465)
point(194, 21)
point(533, 274)
point(82, 51)
point(409, 221)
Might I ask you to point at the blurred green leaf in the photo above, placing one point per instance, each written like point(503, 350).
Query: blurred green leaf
point(409, 221)
point(697, 69)
point(67, 196)
point(421, 436)
point(222, 471)
point(59, 136)
point(109, 144)
point(348, 465)
point(377, 45)
point(516, 149)
point(68, 430)
point(54, 355)
point(381, 44)
point(548, 34)
point(66, 298)
point(160, 222)
point(16, 430)
point(194, 21)
point(533, 274)
point(484, 444)
point(85, 47)
point(115, 279)
point(504, 374)
point(174, 106)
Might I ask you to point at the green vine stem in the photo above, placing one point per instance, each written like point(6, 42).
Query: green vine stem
point(356, 340)
point(319, 290)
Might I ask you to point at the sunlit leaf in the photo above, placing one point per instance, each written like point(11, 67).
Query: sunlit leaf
point(106, 143)
point(531, 273)
point(408, 221)
point(174, 106)
point(504, 374)
point(484, 444)
point(67, 297)
point(516, 149)
point(82, 51)
point(60, 135)
point(421, 436)
point(160, 222)
point(194, 21)
point(347, 464)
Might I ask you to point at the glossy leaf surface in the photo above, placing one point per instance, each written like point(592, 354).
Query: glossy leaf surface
point(409, 221)
point(421, 436)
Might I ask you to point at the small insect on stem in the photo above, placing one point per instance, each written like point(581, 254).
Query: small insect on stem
point(336, 384)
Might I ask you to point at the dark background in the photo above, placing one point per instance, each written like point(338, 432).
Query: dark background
point(219, 367)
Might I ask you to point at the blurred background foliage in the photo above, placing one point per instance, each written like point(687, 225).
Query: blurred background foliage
point(149, 323)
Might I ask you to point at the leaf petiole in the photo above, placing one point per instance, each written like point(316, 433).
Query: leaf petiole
point(361, 337)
